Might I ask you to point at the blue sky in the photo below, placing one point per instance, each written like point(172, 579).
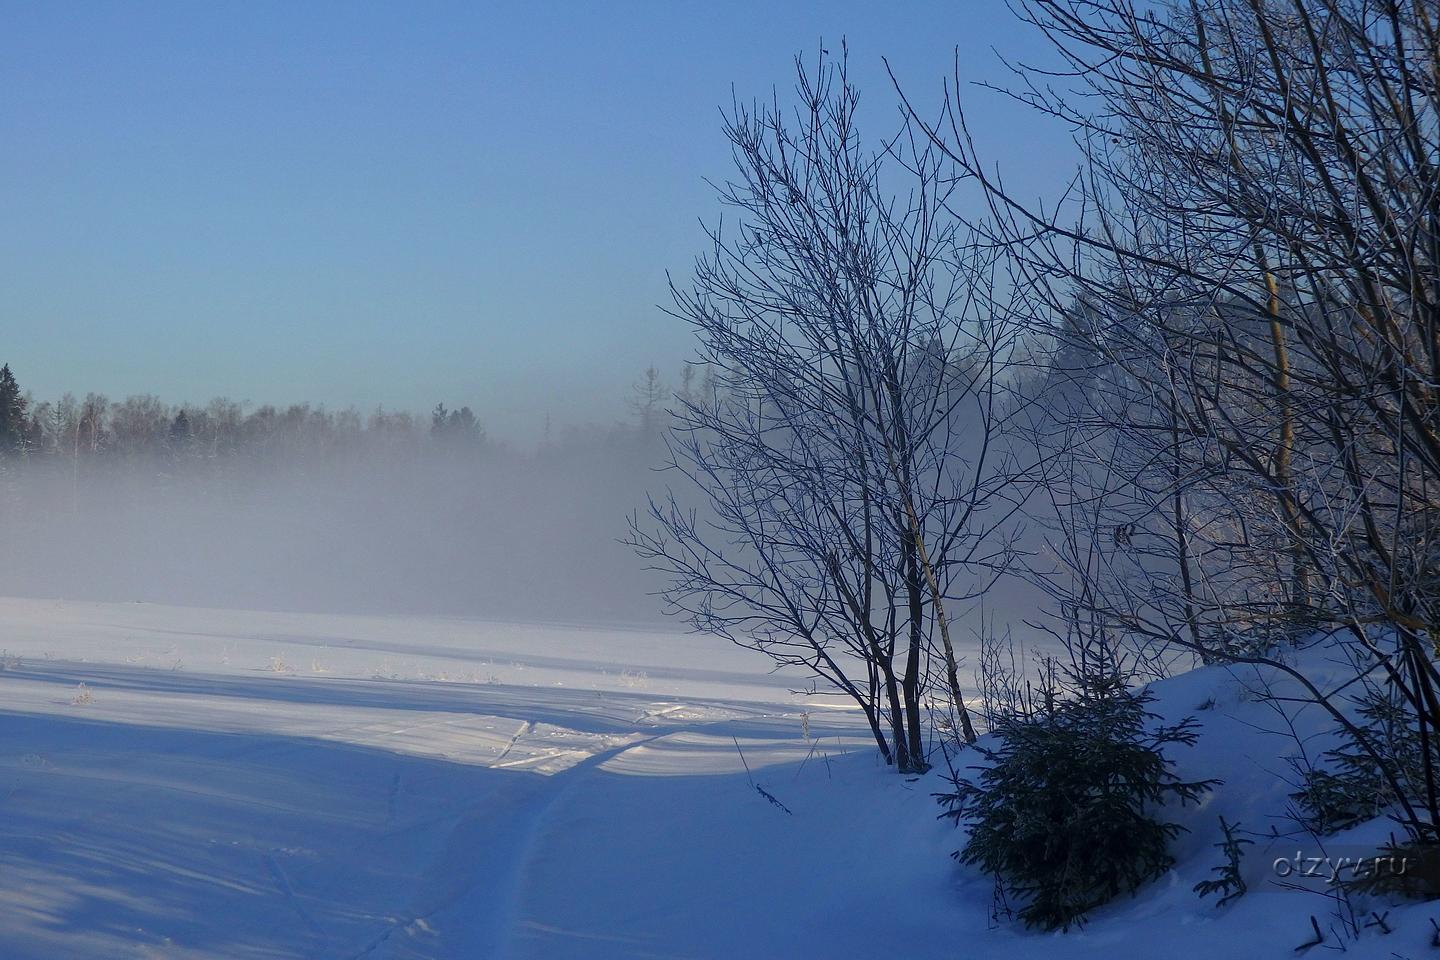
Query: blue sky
point(401, 204)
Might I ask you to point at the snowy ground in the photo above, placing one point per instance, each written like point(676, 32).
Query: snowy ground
point(233, 784)
point(250, 785)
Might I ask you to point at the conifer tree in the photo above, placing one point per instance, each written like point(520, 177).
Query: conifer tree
point(1064, 811)
point(14, 428)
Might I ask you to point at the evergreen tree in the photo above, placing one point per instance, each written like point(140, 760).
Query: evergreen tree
point(1351, 784)
point(1063, 813)
point(457, 428)
point(648, 401)
point(14, 426)
point(181, 431)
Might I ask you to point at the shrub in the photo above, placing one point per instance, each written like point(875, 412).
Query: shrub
point(1062, 815)
point(1407, 869)
point(1351, 786)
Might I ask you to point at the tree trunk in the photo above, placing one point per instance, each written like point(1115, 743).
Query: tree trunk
point(952, 671)
point(897, 719)
point(915, 594)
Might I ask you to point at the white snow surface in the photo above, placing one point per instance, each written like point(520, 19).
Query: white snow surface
point(192, 783)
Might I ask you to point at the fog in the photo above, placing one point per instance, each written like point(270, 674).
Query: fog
point(309, 511)
point(306, 509)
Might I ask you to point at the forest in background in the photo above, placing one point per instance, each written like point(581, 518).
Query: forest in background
point(305, 508)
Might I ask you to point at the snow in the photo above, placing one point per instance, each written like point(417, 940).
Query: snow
point(232, 784)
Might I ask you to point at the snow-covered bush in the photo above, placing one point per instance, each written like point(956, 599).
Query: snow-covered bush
point(1063, 815)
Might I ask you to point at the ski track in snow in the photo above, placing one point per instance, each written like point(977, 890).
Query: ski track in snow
point(521, 827)
point(509, 749)
point(457, 790)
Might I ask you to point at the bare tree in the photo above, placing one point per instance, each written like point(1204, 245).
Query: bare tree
point(843, 450)
point(647, 401)
point(1256, 232)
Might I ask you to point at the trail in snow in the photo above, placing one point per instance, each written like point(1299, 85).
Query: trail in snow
point(581, 799)
point(227, 809)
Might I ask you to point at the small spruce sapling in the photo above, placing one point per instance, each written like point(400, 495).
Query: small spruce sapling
point(1229, 883)
point(1063, 813)
point(1351, 787)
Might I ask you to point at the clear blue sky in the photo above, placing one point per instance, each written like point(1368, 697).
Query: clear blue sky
point(404, 203)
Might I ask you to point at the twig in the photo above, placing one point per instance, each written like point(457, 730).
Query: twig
point(758, 789)
point(1319, 937)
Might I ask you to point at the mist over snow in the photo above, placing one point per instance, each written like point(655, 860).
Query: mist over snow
point(976, 493)
point(311, 511)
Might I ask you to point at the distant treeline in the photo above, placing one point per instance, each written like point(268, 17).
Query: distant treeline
point(303, 507)
point(147, 424)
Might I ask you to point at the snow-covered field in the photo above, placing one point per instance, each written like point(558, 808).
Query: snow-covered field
point(203, 783)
